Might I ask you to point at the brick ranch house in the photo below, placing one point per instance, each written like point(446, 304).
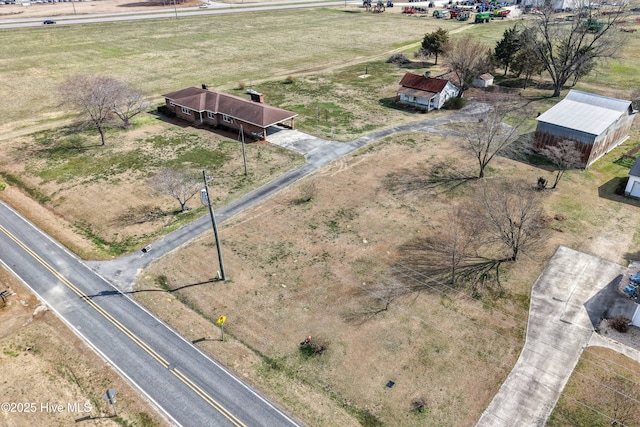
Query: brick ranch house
point(203, 106)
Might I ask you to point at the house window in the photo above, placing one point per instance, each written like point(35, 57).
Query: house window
point(172, 104)
point(211, 115)
point(227, 118)
point(185, 110)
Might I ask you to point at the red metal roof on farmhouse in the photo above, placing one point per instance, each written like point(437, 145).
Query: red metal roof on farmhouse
point(428, 84)
point(198, 99)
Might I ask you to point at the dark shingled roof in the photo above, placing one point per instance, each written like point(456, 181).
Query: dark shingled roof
point(429, 84)
point(635, 169)
point(257, 113)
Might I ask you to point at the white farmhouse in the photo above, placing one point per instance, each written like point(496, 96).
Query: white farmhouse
point(425, 93)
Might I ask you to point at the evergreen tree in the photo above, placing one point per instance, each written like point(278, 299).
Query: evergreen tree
point(434, 43)
point(507, 48)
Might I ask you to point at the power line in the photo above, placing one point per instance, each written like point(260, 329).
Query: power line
point(595, 410)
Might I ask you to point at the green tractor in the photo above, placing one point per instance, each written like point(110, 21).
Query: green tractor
point(593, 25)
point(482, 17)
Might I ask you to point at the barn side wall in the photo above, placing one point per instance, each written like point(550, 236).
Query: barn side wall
point(549, 135)
point(612, 137)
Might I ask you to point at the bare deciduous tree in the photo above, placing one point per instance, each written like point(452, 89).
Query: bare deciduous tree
point(564, 156)
point(129, 104)
point(178, 184)
point(94, 96)
point(467, 57)
point(99, 98)
point(569, 48)
point(490, 135)
point(511, 215)
point(498, 225)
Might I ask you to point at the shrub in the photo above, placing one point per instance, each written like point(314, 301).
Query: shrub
point(316, 347)
point(3, 185)
point(289, 80)
point(619, 323)
point(307, 192)
point(454, 103)
point(542, 184)
point(242, 85)
point(398, 58)
point(419, 405)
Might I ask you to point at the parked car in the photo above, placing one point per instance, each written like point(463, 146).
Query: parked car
point(48, 22)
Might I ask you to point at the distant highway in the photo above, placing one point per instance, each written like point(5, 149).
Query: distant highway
point(212, 9)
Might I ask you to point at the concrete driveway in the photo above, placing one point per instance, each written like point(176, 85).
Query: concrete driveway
point(572, 294)
point(294, 140)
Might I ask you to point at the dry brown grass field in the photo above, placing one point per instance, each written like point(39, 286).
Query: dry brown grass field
point(296, 269)
point(318, 271)
point(603, 389)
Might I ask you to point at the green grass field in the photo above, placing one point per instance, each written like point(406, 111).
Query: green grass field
point(160, 56)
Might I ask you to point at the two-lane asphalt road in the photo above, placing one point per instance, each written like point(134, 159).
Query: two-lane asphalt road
point(177, 377)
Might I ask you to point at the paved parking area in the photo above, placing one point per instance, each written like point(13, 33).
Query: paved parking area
point(572, 294)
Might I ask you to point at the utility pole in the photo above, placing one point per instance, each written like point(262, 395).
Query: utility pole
point(244, 156)
point(215, 227)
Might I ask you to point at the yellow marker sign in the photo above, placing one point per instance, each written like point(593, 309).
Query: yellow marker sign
point(221, 320)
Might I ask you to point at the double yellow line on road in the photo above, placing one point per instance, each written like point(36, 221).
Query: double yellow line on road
point(182, 377)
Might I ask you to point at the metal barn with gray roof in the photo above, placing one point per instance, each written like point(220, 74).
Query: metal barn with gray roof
point(596, 124)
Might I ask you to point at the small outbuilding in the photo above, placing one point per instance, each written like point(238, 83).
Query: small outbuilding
point(595, 123)
point(425, 93)
point(203, 106)
point(483, 80)
point(633, 185)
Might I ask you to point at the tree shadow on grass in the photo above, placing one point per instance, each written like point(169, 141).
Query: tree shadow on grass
point(91, 418)
point(441, 178)
point(63, 142)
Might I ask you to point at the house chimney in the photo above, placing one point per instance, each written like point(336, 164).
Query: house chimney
point(427, 74)
point(204, 86)
point(256, 96)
